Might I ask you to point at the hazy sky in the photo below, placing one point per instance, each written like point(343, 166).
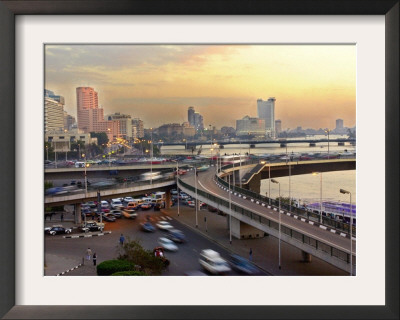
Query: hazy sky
point(313, 85)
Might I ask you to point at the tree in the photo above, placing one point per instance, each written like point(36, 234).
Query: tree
point(133, 252)
point(102, 137)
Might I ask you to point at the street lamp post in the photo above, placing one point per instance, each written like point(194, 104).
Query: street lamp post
point(47, 152)
point(290, 195)
point(84, 156)
point(230, 213)
point(279, 214)
point(269, 182)
point(195, 186)
point(320, 195)
point(327, 131)
point(151, 156)
point(351, 231)
point(177, 186)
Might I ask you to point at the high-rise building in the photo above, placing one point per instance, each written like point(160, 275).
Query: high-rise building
point(125, 124)
point(266, 111)
point(250, 126)
point(278, 127)
point(53, 111)
point(69, 121)
point(198, 121)
point(86, 100)
point(138, 132)
point(90, 116)
point(191, 116)
point(339, 124)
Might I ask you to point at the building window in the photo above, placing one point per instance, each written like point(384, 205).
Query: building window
point(61, 137)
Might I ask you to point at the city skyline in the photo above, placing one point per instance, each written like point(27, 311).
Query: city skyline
point(159, 83)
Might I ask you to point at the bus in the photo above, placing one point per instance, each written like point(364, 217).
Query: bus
point(234, 159)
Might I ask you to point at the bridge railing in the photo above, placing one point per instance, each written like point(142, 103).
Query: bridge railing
point(293, 234)
point(327, 221)
point(120, 185)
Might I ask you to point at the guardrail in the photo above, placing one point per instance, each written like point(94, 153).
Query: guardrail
point(327, 221)
point(293, 234)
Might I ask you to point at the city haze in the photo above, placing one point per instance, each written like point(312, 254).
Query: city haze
point(313, 85)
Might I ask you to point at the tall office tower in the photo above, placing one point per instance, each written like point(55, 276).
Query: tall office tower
point(191, 116)
point(266, 111)
point(138, 124)
point(86, 100)
point(198, 121)
point(278, 127)
point(69, 121)
point(339, 124)
point(125, 124)
point(53, 111)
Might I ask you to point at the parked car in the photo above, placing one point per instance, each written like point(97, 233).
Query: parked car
point(116, 204)
point(129, 213)
point(116, 213)
point(148, 227)
point(164, 225)
point(167, 244)
point(108, 217)
point(92, 204)
point(128, 199)
point(92, 226)
point(146, 206)
point(57, 230)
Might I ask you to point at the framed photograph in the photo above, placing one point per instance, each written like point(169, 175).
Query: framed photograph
point(136, 98)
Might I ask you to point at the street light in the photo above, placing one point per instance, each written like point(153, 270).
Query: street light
point(177, 186)
point(195, 186)
point(279, 213)
point(230, 206)
point(327, 131)
point(320, 194)
point(351, 231)
point(151, 154)
point(84, 156)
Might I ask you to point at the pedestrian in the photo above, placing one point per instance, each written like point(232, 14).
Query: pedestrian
point(62, 216)
point(197, 173)
point(88, 253)
point(94, 258)
point(121, 239)
point(251, 255)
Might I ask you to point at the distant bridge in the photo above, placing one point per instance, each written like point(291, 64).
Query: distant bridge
point(311, 142)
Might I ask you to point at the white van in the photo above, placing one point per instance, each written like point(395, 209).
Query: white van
point(211, 261)
point(79, 164)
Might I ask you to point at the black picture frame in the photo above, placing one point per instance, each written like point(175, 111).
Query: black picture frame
point(8, 11)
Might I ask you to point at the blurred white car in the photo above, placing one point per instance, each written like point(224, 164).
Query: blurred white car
point(164, 225)
point(211, 261)
point(167, 244)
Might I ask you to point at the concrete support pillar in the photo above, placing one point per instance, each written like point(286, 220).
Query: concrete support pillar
point(78, 213)
point(254, 184)
point(167, 199)
point(306, 256)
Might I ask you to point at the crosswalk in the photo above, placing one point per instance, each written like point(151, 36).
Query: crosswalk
point(159, 218)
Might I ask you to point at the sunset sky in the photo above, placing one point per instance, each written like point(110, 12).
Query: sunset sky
point(313, 84)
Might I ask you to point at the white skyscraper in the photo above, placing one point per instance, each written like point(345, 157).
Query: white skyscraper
point(266, 111)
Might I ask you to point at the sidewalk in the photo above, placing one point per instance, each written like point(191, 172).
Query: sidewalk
point(265, 250)
point(56, 264)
